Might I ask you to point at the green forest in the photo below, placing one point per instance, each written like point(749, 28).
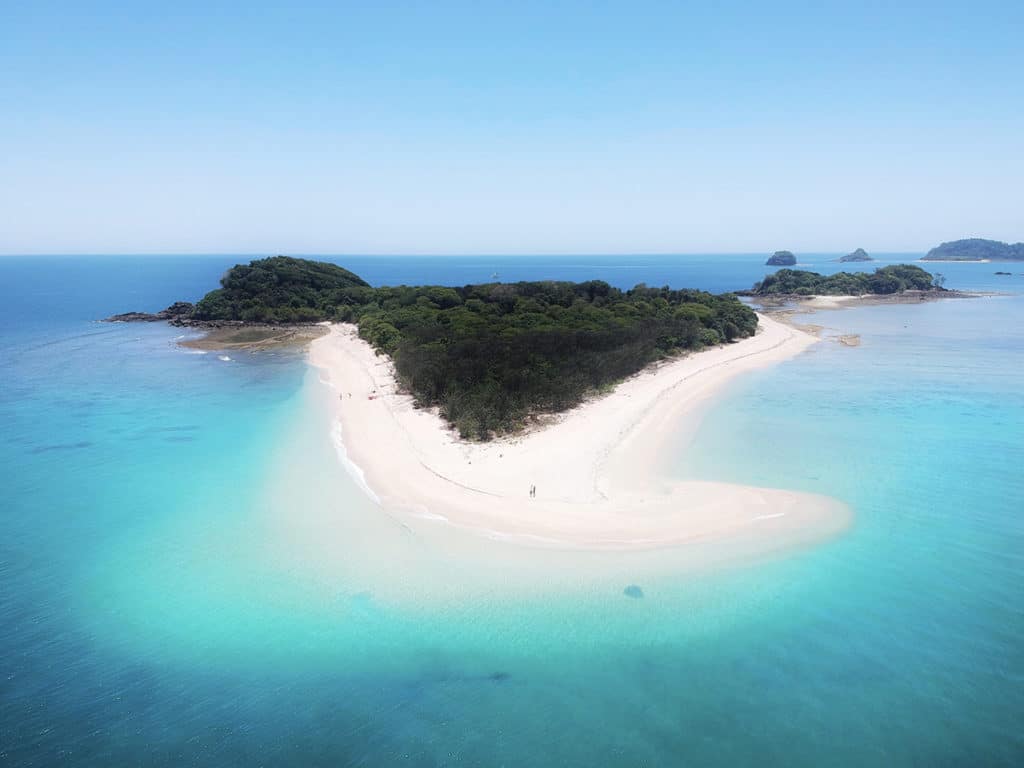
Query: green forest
point(896, 278)
point(280, 290)
point(489, 356)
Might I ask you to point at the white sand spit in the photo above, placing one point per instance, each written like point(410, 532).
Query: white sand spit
point(597, 469)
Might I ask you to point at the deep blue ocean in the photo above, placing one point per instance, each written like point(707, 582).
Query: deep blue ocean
point(188, 576)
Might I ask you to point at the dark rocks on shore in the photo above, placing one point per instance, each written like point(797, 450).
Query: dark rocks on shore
point(781, 259)
point(177, 314)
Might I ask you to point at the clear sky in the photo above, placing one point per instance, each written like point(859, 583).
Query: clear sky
point(519, 127)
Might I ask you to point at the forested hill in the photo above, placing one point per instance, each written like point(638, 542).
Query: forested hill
point(280, 289)
point(489, 356)
point(896, 278)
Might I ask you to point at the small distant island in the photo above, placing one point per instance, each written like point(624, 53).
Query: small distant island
point(781, 259)
point(976, 249)
point(859, 255)
point(884, 281)
point(489, 356)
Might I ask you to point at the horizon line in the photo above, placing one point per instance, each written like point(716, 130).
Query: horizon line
point(435, 254)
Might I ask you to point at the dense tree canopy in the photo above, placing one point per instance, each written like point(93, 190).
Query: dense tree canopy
point(896, 278)
point(280, 289)
point(489, 356)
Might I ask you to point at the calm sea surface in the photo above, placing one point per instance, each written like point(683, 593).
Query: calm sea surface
point(188, 577)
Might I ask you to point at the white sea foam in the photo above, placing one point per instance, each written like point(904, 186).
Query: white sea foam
point(224, 358)
point(353, 469)
point(426, 514)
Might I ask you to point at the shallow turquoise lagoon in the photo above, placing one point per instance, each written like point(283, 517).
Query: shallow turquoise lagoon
point(188, 577)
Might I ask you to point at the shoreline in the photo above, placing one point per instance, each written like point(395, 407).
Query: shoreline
point(598, 469)
point(786, 308)
point(253, 338)
point(813, 301)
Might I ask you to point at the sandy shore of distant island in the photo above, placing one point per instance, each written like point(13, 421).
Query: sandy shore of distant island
point(785, 302)
point(786, 308)
point(597, 469)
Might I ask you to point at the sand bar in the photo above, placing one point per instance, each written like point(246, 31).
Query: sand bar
point(598, 470)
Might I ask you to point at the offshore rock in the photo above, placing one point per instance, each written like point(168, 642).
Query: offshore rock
point(781, 259)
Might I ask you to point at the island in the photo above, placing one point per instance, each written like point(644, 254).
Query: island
point(781, 259)
point(976, 249)
point(859, 255)
point(490, 357)
point(534, 412)
point(884, 281)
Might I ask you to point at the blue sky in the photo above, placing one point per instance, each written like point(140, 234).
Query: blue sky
point(508, 127)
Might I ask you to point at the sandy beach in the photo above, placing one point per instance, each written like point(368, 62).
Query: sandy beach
point(598, 469)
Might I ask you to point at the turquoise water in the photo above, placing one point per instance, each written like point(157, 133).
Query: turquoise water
point(188, 577)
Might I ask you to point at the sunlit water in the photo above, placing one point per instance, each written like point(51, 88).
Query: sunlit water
point(187, 575)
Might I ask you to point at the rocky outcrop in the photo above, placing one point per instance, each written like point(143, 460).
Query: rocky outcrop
point(781, 259)
point(178, 314)
point(859, 255)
